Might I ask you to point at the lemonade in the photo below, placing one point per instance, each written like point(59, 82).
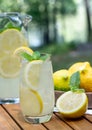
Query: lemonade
point(11, 38)
point(37, 91)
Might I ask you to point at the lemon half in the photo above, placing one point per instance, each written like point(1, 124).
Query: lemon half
point(30, 101)
point(72, 104)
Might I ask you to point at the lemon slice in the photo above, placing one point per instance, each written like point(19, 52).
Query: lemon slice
point(9, 66)
point(30, 101)
point(11, 39)
point(22, 49)
point(32, 74)
point(72, 104)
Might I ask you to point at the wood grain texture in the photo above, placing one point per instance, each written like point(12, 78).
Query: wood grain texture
point(11, 118)
point(6, 122)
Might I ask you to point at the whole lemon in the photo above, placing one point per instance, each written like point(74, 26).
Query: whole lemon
point(85, 70)
point(61, 80)
point(79, 66)
point(86, 80)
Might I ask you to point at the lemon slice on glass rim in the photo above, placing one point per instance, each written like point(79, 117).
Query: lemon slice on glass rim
point(23, 49)
point(32, 74)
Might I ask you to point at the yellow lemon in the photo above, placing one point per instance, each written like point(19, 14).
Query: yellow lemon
point(85, 70)
point(22, 49)
point(32, 74)
point(30, 101)
point(11, 39)
point(86, 80)
point(72, 104)
point(9, 66)
point(79, 66)
point(61, 80)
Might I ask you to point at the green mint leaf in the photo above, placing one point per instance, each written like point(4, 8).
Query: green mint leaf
point(36, 55)
point(75, 81)
point(9, 25)
point(78, 90)
point(26, 56)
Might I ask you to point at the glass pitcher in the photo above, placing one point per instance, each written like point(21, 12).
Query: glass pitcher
point(13, 34)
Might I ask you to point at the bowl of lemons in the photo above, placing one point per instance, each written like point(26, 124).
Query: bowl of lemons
point(77, 78)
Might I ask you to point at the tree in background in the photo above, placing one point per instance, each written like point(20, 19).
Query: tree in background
point(88, 12)
point(45, 15)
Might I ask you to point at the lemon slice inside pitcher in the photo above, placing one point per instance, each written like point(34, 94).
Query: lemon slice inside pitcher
point(11, 39)
point(32, 74)
point(9, 66)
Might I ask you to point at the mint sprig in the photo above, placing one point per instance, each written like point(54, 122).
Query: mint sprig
point(9, 25)
point(75, 82)
point(35, 56)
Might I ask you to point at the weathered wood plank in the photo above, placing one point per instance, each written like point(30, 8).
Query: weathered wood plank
point(6, 123)
point(14, 110)
point(56, 124)
point(88, 117)
point(78, 124)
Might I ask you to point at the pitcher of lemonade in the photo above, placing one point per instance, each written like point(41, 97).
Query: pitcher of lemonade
point(13, 34)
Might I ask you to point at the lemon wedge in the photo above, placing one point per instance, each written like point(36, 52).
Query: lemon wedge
point(72, 104)
point(9, 66)
point(32, 74)
point(30, 101)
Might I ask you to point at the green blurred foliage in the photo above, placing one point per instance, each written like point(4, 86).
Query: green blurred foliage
point(44, 13)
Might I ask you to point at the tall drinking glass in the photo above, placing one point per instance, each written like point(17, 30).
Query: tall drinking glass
point(13, 34)
point(37, 91)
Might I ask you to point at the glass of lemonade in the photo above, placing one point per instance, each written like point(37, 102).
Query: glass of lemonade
point(37, 90)
point(13, 29)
